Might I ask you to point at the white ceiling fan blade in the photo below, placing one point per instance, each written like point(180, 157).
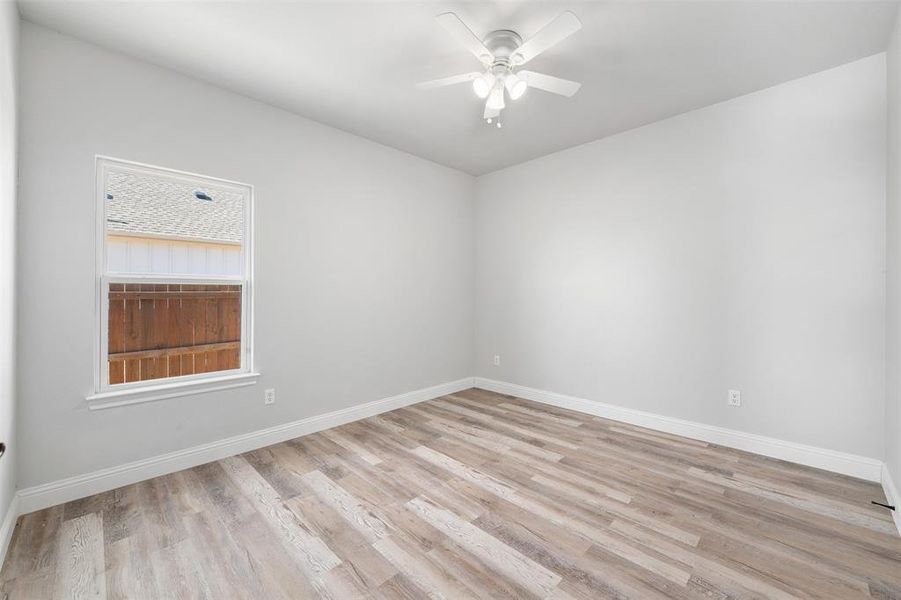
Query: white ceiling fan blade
point(554, 32)
point(549, 83)
point(490, 113)
point(464, 34)
point(452, 80)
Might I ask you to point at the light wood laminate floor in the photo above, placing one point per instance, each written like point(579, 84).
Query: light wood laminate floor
point(473, 495)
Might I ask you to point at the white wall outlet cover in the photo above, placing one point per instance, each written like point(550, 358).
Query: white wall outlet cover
point(269, 396)
point(497, 360)
point(734, 398)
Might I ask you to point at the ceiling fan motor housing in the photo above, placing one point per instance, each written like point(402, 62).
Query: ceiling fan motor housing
point(503, 44)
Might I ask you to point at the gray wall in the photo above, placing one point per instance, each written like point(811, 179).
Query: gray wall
point(737, 246)
point(893, 261)
point(9, 42)
point(364, 260)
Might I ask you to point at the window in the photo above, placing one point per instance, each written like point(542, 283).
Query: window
point(174, 264)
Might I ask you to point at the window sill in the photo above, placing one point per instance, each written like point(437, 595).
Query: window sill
point(152, 393)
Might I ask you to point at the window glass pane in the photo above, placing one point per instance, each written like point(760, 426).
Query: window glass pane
point(168, 225)
point(169, 330)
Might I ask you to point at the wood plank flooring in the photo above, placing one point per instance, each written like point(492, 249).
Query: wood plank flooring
point(473, 495)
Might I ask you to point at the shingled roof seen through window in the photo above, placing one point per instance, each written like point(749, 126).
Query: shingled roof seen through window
point(159, 206)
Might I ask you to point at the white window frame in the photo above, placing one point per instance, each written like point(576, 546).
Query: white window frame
point(106, 395)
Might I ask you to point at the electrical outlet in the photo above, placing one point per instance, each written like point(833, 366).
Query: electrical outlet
point(269, 396)
point(497, 360)
point(734, 398)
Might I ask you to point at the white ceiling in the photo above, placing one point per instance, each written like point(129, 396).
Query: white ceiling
point(353, 65)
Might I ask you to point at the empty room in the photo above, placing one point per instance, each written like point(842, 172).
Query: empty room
point(426, 299)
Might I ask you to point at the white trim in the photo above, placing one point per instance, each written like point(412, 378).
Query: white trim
point(186, 175)
point(73, 488)
point(171, 389)
point(149, 386)
point(8, 526)
point(102, 166)
point(838, 462)
point(81, 486)
point(892, 496)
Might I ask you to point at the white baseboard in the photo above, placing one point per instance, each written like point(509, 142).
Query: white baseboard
point(838, 462)
point(65, 490)
point(892, 496)
point(81, 486)
point(7, 527)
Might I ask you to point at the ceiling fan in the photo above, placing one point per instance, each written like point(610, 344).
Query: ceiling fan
point(502, 53)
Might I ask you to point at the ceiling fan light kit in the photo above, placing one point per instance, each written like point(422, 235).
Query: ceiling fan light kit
point(501, 53)
point(516, 85)
point(482, 85)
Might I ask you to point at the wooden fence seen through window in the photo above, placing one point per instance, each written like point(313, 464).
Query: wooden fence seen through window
point(168, 330)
